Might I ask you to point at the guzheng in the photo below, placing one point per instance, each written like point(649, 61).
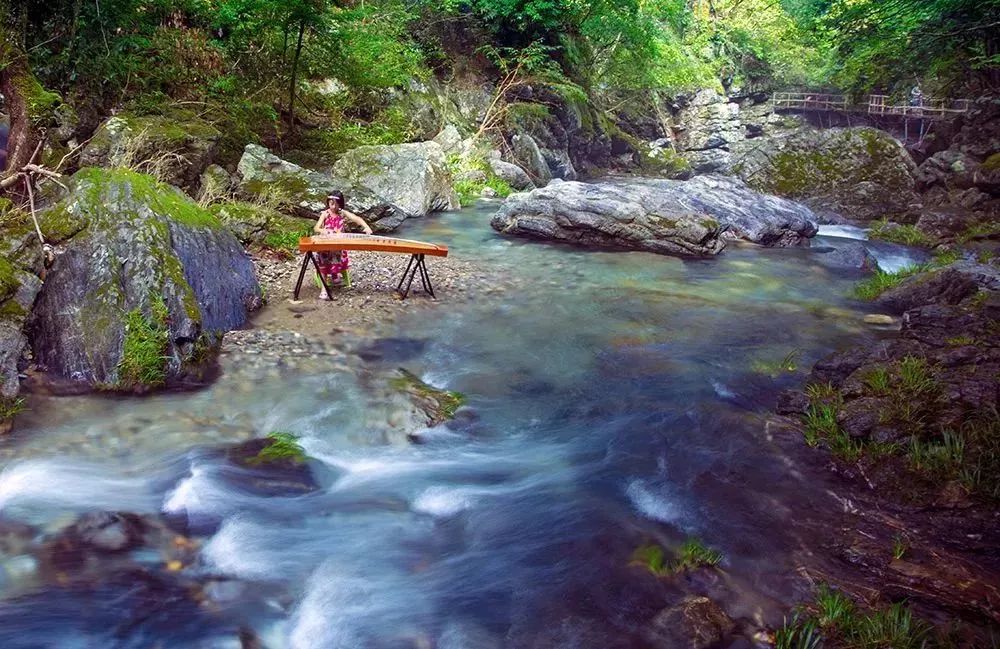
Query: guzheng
point(348, 241)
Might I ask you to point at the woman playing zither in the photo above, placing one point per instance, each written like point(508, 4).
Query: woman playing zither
point(333, 220)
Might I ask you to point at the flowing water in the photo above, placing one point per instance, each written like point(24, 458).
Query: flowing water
point(613, 400)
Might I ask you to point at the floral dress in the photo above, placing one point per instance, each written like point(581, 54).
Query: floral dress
point(334, 262)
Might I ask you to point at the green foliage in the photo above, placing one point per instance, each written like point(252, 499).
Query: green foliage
point(835, 620)
point(10, 408)
point(899, 547)
point(470, 189)
point(691, 555)
point(798, 634)
point(283, 448)
point(882, 281)
point(144, 357)
point(285, 240)
point(908, 235)
point(892, 43)
point(695, 554)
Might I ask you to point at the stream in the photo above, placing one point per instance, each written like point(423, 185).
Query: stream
point(613, 400)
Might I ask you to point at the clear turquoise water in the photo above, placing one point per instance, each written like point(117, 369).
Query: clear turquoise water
point(612, 401)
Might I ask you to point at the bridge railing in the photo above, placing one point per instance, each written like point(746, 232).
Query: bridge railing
point(921, 107)
point(810, 101)
point(876, 104)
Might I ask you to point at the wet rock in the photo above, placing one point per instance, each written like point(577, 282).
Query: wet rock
point(148, 256)
point(178, 146)
point(304, 191)
point(667, 216)
point(949, 285)
point(435, 405)
point(879, 319)
point(96, 534)
point(512, 174)
point(529, 157)
point(271, 466)
point(413, 177)
point(694, 623)
point(851, 256)
point(619, 216)
point(792, 402)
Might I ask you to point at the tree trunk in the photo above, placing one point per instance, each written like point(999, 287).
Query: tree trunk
point(15, 79)
point(292, 85)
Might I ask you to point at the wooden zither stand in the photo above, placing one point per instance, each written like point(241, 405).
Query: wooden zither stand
point(418, 250)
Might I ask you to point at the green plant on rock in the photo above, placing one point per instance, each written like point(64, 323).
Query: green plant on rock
point(280, 448)
point(882, 281)
point(695, 554)
point(899, 547)
point(470, 188)
point(908, 235)
point(798, 634)
point(839, 620)
point(10, 407)
point(878, 381)
point(144, 357)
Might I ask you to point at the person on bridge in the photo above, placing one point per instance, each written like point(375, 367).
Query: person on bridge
point(333, 220)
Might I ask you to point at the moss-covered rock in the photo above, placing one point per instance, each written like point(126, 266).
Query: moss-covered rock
point(147, 285)
point(265, 177)
point(858, 172)
point(437, 405)
point(176, 148)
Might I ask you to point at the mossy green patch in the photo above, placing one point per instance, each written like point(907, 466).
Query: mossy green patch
point(991, 163)
point(41, 103)
point(101, 185)
point(8, 279)
point(11, 310)
point(445, 402)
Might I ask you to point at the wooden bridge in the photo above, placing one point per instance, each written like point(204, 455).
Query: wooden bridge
point(925, 108)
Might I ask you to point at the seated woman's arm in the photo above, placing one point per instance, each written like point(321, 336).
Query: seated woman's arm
point(358, 220)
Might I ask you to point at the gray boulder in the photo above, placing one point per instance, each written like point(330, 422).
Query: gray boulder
point(850, 256)
point(859, 172)
point(175, 148)
point(625, 216)
point(949, 285)
point(742, 212)
point(413, 177)
point(693, 623)
point(141, 296)
point(513, 175)
point(302, 191)
point(528, 156)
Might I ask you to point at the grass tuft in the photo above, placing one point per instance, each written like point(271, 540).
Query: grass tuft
point(695, 554)
point(908, 235)
point(144, 351)
point(882, 281)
